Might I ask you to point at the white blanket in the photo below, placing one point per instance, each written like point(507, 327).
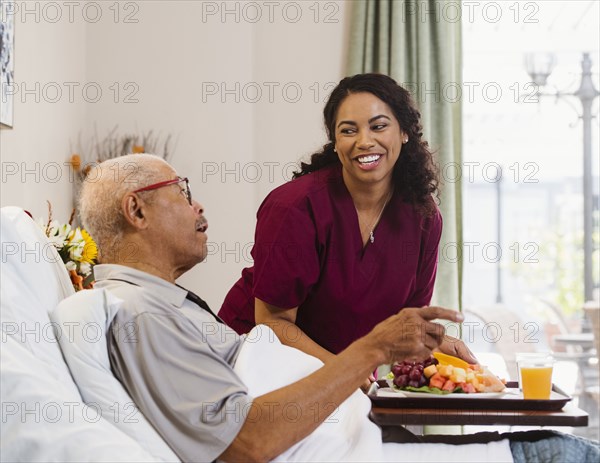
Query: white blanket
point(264, 364)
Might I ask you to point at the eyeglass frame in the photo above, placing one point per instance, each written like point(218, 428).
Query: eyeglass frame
point(187, 192)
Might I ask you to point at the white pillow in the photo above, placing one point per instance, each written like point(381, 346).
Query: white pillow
point(86, 316)
point(34, 280)
point(43, 420)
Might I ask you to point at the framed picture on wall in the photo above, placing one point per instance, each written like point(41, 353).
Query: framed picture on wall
point(7, 58)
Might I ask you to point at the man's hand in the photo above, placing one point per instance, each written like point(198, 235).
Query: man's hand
point(457, 348)
point(410, 334)
point(367, 384)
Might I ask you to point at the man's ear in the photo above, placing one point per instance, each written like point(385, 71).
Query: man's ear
point(134, 211)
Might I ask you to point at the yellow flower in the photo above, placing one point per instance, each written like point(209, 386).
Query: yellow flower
point(90, 250)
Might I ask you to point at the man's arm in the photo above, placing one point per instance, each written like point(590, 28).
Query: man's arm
point(407, 335)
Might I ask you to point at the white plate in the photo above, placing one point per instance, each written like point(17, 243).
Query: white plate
point(389, 392)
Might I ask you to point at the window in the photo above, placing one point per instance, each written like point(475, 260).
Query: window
point(523, 179)
point(523, 157)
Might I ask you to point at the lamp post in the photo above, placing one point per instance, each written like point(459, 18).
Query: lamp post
point(539, 67)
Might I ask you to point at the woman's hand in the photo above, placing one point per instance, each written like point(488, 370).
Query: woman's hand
point(457, 348)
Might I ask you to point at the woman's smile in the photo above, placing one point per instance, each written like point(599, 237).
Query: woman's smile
point(368, 161)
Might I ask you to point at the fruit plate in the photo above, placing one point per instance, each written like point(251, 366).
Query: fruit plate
point(511, 399)
point(389, 392)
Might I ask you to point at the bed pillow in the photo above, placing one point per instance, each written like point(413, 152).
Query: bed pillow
point(86, 315)
point(34, 280)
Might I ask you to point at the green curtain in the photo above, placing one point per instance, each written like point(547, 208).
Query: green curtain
point(418, 43)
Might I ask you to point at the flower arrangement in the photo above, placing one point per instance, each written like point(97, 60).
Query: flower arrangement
point(76, 248)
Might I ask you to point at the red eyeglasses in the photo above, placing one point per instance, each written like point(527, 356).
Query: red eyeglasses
point(187, 191)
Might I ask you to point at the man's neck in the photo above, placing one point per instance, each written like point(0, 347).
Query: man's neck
point(152, 269)
point(157, 265)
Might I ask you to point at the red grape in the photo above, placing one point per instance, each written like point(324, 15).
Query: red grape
point(401, 381)
point(406, 369)
point(414, 375)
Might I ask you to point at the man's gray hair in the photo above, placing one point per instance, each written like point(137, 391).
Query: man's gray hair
point(103, 190)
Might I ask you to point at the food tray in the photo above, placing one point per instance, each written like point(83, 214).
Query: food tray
point(382, 396)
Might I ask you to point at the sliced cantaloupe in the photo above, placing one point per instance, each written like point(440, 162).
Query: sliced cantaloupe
point(446, 359)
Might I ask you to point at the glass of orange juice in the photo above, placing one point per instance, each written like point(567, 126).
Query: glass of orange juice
point(536, 377)
point(520, 356)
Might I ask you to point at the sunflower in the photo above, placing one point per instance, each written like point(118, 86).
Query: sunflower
point(90, 250)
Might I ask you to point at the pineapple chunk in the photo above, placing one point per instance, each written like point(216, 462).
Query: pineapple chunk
point(430, 371)
point(460, 371)
point(457, 378)
point(445, 370)
point(459, 375)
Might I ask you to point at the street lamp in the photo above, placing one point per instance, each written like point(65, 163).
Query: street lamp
point(539, 67)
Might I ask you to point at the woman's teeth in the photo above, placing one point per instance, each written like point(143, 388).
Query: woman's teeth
point(368, 159)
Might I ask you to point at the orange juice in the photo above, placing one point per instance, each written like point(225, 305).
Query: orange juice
point(537, 382)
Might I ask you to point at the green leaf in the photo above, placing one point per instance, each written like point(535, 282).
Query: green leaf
point(430, 390)
point(89, 279)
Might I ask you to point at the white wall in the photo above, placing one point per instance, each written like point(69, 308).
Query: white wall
point(198, 74)
point(235, 147)
point(33, 153)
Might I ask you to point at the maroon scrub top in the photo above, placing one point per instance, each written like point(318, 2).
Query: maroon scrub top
point(308, 253)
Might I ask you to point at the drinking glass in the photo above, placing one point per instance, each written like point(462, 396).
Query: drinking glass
point(535, 376)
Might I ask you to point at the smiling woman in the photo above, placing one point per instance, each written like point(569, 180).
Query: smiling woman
point(353, 239)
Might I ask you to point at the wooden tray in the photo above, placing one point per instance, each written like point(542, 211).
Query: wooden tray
point(512, 400)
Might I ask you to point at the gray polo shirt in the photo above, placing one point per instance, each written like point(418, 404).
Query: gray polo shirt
point(175, 360)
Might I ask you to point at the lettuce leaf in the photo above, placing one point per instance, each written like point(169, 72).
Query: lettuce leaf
point(429, 390)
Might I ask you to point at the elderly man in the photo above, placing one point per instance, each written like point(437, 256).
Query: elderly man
point(150, 231)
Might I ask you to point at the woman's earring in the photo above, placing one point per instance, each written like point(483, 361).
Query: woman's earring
point(406, 140)
point(334, 150)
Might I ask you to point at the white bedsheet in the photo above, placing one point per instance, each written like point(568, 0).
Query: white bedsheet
point(264, 364)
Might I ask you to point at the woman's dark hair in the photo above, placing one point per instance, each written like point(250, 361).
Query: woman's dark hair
point(415, 175)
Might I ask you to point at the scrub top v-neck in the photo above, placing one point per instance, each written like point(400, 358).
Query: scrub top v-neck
point(308, 253)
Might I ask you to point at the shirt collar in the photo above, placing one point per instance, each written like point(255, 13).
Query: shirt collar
point(162, 288)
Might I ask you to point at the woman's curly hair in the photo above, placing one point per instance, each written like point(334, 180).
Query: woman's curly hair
point(415, 175)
